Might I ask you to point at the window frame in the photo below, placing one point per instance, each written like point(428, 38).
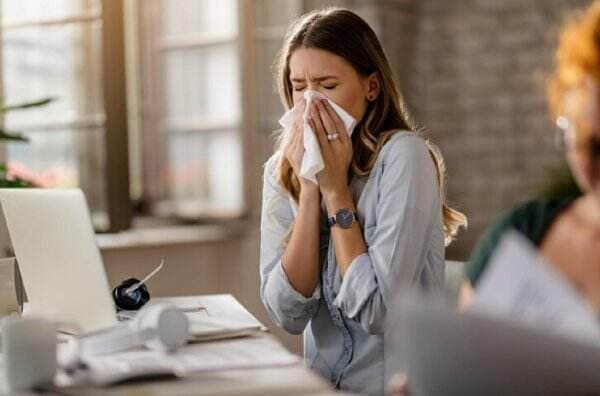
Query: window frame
point(114, 119)
point(117, 88)
point(154, 158)
point(114, 84)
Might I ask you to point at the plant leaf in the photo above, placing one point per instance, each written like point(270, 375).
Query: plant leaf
point(18, 183)
point(27, 105)
point(14, 136)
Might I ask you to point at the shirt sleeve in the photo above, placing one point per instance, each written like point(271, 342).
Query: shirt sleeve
point(408, 205)
point(286, 306)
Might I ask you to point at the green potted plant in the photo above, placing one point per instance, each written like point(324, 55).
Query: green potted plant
point(7, 180)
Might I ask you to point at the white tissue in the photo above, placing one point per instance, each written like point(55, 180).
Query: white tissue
point(312, 162)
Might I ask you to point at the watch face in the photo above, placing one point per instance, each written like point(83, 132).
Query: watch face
point(344, 218)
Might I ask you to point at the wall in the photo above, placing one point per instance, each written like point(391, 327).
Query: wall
point(473, 73)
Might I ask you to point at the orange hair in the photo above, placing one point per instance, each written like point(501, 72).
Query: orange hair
point(577, 63)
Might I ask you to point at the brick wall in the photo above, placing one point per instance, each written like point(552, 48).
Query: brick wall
point(473, 73)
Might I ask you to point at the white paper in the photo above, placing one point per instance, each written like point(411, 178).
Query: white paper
point(254, 352)
point(216, 317)
point(520, 286)
point(207, 328)
point(451, 353)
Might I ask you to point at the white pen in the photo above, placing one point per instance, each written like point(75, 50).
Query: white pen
point(137, 285)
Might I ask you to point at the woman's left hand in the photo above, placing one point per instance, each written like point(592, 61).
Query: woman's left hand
point(336, 148)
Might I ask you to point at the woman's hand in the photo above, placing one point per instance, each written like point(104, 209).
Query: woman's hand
point(293, 149)
point(336, 148)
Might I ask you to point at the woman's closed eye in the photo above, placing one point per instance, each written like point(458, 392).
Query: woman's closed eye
point(299, 88)
point(329, 86)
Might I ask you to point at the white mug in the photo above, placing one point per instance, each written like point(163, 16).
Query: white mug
point(29, 348)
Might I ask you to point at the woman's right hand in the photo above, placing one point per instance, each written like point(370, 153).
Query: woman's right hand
point(293, 150)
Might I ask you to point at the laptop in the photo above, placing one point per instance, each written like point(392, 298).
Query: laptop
point(54, 242)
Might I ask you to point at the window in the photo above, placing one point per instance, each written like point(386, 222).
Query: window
point(209, 101)
point(200, 100)
point(58, 49)
point(192, 123)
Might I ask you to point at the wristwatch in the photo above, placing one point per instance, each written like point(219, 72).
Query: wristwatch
point(344, 218)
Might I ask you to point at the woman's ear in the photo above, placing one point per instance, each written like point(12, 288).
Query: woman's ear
point(373, 86)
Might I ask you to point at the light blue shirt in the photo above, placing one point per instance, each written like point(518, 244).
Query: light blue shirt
point(400, 213)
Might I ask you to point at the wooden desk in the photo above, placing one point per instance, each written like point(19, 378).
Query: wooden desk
point(292, 380)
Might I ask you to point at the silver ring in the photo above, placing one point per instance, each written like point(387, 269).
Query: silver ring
point(332, 136)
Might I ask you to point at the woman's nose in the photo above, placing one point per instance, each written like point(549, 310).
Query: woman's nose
point(313, 86)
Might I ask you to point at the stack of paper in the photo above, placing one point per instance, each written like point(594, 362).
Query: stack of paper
point(216, 317)
point(243, 353)
point(209, 328)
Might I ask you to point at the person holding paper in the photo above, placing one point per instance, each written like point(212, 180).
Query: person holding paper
point(353, 204)
point(566, 230)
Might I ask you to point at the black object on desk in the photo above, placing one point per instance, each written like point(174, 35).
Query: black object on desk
point(132, 293)
point(130, 300)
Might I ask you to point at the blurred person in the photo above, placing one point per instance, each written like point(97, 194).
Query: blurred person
point(566, 229)
point(333, 252)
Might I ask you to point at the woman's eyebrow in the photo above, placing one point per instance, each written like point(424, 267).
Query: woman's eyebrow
point(316, 79)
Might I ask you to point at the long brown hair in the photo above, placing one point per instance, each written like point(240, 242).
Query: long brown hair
point(343, 33)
